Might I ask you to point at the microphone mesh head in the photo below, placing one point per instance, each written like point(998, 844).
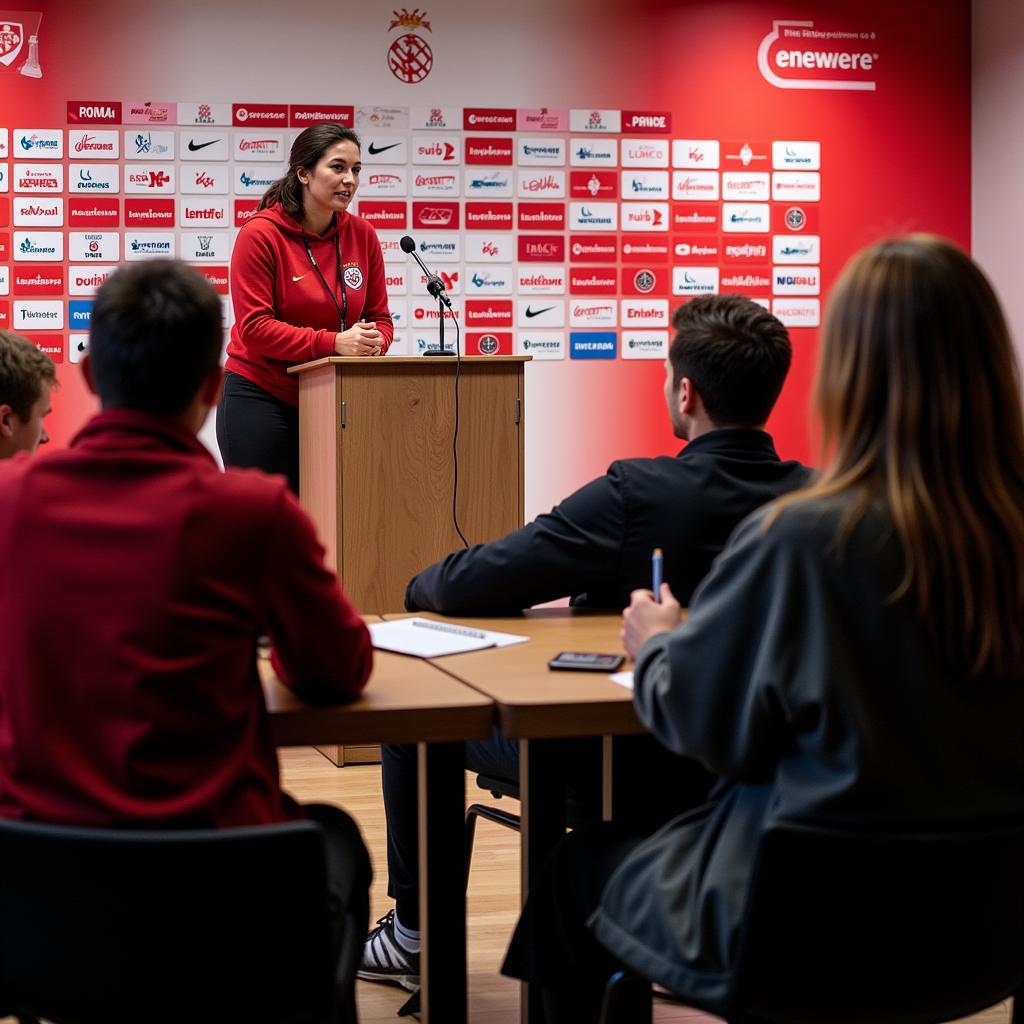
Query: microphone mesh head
point(407, 244)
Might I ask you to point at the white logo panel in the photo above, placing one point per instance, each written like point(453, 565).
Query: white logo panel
point(748, 218)
point(593, 313)
point(94, 246)
point(38, 316)
point(434, 149)
point(645, 152)
point(383, 181)
point(645, 185)
point(204, 146)
point(205, 246)
point(540, 312)
point(148, 245)
point(540, 280)
point(696, 154)
point(38, 212)
point(645, 312)
point(593, 152)
point(541, 344)
point(694, 280)
point(38, 246)
point(798, 312)
point(259, 147)
point(140, 179)
point(93, 145)
point(489, 280)
point(535, 184)
point(39, 143)
point(203, 180)
point(540, 152)
point(796, 280)
point(436, 183)
point(644, 345)
point(485, 248)
point(593, 216)
point(146, 145)
point(95, 178)
point(86, 280)
point(695, 185)
point(796, 156)
point(488, 181)
point(645, 217)
point(745, 187)
point(799, 186)
point(796, 249)
point(43, 179)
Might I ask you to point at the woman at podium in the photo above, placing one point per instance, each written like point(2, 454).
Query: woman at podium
point(307, 281)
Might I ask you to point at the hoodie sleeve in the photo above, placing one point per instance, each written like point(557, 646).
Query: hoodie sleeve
point(254, 269)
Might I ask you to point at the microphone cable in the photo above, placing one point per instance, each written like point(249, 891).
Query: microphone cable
point(455, 437)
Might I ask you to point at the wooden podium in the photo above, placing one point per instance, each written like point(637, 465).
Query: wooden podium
point(376, 468)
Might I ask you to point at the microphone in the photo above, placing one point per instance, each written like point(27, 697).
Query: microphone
point(434, 284)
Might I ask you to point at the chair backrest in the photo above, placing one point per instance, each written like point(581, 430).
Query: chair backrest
point(119, 926)
point(846, 926)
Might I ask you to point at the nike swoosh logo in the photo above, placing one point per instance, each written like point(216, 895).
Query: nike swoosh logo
point(537, 312)
point(374, 150)
point(193, 148)
point(299, 278)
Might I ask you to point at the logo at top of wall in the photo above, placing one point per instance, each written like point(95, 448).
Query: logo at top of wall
point(410, 57)
point(797, 55)
point(12, 36)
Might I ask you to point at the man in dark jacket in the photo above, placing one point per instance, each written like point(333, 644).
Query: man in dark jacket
point(726, 367)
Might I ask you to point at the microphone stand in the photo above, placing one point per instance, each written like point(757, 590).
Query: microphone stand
point(435, 286)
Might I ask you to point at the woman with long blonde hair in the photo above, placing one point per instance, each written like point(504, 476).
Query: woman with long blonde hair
point(856, 655)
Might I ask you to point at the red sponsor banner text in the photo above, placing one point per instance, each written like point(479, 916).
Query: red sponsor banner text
point(794, 218)
point(696, 217)
point(217, 276)
point(94, 112)
point(488, 312)
point(40, 279)
point(301, 115)
point(489, 216)
point(546, 216)
point(259, 115)
point(697, 248)
point(641, 122)
point(244, 210)
point(745, 279)
point(593, 281)
point(542, 248)
point(430, 214)
point(594, 184)
point(488, 119)
point(147, 212)
point(488, 151)
point(646, 250)
point(385, 213)
point(746, 155)
point(94, 212)
point(746, 249)
point(593, 248)
point(51, 344)
point(489, 343)
point(645, 281)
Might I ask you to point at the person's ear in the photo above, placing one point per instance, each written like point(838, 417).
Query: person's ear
point(86, 366)
point(688, 398)
point(7, 417)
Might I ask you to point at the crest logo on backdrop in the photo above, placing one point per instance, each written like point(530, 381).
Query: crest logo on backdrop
point(410, 57)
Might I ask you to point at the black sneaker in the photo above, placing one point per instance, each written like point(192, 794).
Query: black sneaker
point(385, 960)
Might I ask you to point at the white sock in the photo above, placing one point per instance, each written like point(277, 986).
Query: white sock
point(408, 938)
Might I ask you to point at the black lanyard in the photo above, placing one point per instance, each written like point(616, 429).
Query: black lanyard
point(343, 308)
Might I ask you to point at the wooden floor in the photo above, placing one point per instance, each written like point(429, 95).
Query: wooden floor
point(493, 897)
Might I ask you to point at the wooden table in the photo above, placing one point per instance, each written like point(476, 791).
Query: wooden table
point(410, 701)
point(539, 706)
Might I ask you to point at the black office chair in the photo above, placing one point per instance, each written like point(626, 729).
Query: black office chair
point(118, 927)
point(844, 927)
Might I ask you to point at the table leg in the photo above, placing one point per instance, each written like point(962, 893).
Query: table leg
point(442, 805)
point(543, 794)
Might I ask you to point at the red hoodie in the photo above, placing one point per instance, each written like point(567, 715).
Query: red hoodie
point(274, 287)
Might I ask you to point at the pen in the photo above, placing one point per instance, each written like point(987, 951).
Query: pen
point(656, 571)
point(444, 627)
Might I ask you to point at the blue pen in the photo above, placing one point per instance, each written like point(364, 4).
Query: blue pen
point(656, 574)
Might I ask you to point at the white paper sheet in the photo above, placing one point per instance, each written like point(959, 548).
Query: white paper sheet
point(623, 679)
point(424, 638)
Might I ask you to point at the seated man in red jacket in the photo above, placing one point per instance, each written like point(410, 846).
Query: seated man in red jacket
point(136, 579)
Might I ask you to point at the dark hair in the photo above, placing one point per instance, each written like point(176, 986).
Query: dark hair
point(736, 353)
point(307, 149)
point(23, 368)
point(155, 335)
point(918, 391)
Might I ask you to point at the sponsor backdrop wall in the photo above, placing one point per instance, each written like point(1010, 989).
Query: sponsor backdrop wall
point(574, 171)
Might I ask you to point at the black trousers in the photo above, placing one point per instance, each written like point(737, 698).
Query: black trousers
point(255, 430)
point(657, 785)
point(348, 876)
point(552, 946)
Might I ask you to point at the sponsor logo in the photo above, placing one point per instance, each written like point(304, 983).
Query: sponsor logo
point(645, 216)
point(198, 247)
point(437, 118)
point(644, 185)
point(258, 146)
point(495, 183)
point(38, 281)
point(150, 112)
point(645, 153)
point(217, 276)
point(156, 145)
point(85, 280)
point(743, 217)
point(50, 344)
point(551, 183)
point(195, 147)
point(42, 246)
point(488, 151)
point(542, 281)
point(744, 186)
point(489, 344)
point(300, 116)
point(39, 212)
point(699, 249)
point(593, 281)
point(483, 120)
point(600, 121)
point(542, 120)
point(268, 115)
point(5, 277)
point(143, 247)
point(646, 121)
point(796, 55)
point(214, 213)
point(93, 178)
point(592, 345)
point(646, 251)
point(798, 312)
point(435, 215)
point(645, 312)
point(597, 249)
point(79, 314)
point(444, 150)
point(150, 212)
point(203, 180)
point(384, 214)
point(40, 143)
point(395, 281)
point(644, 281)
point(593, 314)
point(549, 152)
point(540, 312)
point(36, 316)
point(488, 280)
point(593, 216)
point(800, 185)
point(694, 280)
point(94, 247)
point(38, 178)
point(442, 184)
point(745, 250)
point(593, 152)
point(541, 344)
point(95, 144)
point(542, 215)
point(489, 216)
point(644, 344)
point(93, 112)
point(796, 156)
point(744, 281)
point(541, 248)
point(253, 181)
point(796, 249)
point(795, 218)
point(488, 312)
point(204, 113)
point(751, 156)
point(148, 179)
point(695, 185)
point(374, 150)
point(444, 248)
point(245, 210)
point(490, 248)
point(383, 117)
point(796, 280)
point(383, 183)
point(698, 154)
point(593, 184)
